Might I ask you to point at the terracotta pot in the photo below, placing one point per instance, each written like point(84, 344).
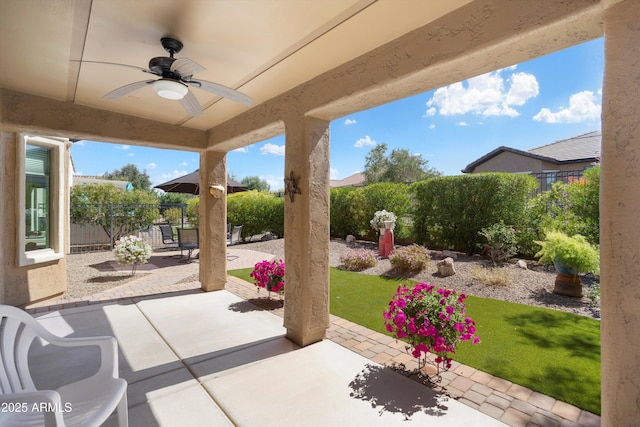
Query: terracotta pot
point(567, 281)
point(568, 284)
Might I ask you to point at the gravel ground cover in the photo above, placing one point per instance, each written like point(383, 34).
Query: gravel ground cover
point(91, 273)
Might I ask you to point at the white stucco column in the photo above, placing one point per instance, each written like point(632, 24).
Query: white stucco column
point(306, 230)
point(620, 217)
point(213, 222)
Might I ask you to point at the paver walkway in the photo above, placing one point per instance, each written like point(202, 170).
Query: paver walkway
point(508, 402)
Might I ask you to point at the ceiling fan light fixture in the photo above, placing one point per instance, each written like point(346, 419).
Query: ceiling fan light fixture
point(170, 89)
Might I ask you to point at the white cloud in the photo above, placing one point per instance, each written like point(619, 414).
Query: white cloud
point(241, 150)
point(462, 124)
point(183, 163)
point(432, 126)
point(81, 142)
point(167, 176)
point(270, 148)
point(123, 147)
point(131, 155)
point(363, 142)
point(333, 173)
point(350, 122)
point(275, 182)
point(151, 165)
point(582, 106)
point(486, 95)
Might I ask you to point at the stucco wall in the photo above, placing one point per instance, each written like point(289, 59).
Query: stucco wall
point(21, 285)
point(512, 162)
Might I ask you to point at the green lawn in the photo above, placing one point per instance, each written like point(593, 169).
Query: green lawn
point(549, 351)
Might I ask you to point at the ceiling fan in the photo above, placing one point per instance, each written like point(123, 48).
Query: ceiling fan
point(176, 75)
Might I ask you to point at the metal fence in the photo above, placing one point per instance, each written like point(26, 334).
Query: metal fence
point(96, 227)
point(546, 179)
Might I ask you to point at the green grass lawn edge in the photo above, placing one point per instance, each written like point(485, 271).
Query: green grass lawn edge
point(552, 352)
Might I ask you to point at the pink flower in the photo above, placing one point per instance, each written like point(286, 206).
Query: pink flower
point(450, 309)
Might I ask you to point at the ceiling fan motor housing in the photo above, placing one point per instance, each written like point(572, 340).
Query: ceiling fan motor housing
point(161, 65)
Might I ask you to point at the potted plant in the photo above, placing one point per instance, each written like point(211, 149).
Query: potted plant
point(383, 221)
point(570, 255)
point(270, 276)
point(431, 320)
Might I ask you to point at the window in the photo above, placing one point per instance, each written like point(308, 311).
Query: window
point(40, 199)
point(551, 177)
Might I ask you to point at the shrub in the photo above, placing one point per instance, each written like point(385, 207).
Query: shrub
point(193, 211)
point(572, 208)
point(456, 208)
point(594, 295)
point(173, 216)
point(392, 197)
point(492, 276)
point(501, 242)
point(412, 258)
point(358, 259)
point(347, 212)
point(258, 212)
point(573, 251)
point(132, 250)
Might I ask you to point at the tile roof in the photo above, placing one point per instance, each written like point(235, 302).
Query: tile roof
point(581, 148)
point(355, 180)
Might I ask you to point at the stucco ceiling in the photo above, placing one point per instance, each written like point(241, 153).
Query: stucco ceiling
point(259, 47)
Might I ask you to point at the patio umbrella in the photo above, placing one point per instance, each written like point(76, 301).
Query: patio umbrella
point(190, 183)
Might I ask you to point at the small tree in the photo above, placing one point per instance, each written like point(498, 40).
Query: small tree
point(255, 183)
point(399, 167)
point(124, 212)
point(130, 172)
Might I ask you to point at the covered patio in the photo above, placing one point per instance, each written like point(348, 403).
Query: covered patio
point(304, 64)
point(206, 359)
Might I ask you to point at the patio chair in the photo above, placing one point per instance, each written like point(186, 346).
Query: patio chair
point(234, 236)
point(87, 402)
point(167, 234)
point(187, 240)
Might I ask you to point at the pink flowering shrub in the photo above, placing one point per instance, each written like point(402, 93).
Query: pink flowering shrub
point(431, 320)
point(269, 275)
point(410, 258)
point(358, 259)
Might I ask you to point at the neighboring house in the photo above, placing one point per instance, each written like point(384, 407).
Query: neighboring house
point(355, 180)
point(82, 179)
point(549, 163)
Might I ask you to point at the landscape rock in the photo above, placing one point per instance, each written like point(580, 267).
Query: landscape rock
point(522, 264)
point(449, 254)
point(350, 238)
point(446, 267)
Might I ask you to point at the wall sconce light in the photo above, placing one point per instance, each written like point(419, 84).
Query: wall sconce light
point(216, 190)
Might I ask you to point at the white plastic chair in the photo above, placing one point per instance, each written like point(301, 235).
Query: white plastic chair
point(87, 402)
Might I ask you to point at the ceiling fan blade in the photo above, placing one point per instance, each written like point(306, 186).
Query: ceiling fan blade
point(191, 104)
point(186, 67)
point(224, 91)
point(117, 64)
point(121, 91)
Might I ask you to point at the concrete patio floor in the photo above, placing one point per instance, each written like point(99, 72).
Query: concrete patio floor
point(213, 360)
point(193, 358)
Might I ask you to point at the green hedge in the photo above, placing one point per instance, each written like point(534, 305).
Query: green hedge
point(451, 210)
point(258, 212)
point(353, 207)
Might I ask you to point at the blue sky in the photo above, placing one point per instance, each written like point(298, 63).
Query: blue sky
point(524, 106)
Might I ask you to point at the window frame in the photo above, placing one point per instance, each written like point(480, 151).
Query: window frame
point(55, 250)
